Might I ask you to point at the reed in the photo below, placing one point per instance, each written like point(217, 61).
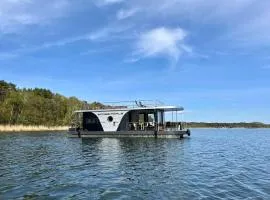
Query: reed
point(19, 128)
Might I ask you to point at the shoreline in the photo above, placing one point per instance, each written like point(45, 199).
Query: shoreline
point(24, 128)
point(41, 128)
point(228, 128)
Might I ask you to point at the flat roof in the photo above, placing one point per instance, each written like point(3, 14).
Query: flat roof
point(164, 108)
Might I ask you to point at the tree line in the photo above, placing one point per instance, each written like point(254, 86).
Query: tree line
point(227, 125)
point(37, 106)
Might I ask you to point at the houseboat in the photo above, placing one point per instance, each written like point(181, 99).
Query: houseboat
point(130, 119)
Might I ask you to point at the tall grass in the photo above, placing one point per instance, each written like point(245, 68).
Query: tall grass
point(17, 128)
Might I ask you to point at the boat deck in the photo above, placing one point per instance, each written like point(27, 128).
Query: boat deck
point(121, 134)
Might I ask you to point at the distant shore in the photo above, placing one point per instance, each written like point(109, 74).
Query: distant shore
point(228, 128)
point(226, 125)
point(23, 128)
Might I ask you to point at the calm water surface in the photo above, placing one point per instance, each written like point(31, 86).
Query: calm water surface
point(211, 164)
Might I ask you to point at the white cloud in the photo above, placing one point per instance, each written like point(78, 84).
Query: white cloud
point(126, 13)
point(15, 14)
point(162, 41)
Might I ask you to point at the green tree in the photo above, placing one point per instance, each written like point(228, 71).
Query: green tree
point(38, 106)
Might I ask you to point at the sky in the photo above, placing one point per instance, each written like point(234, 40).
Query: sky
point(211, 57)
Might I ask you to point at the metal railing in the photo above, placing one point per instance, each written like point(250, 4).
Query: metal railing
point(146, 126)
point(142, 126)
point(135, 104)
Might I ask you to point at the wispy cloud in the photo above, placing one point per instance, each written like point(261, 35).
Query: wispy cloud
point(108, 2)
point(240, 22)
point(101, 35)
point(255, 30)
point(162, 42)
point(100, 50)
point(230, 17)
point(126, 13)
point(7, 56)
point(15, 14)
point(108, 32)
point(26, 50)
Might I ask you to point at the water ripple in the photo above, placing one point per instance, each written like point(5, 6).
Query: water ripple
point(212, 164)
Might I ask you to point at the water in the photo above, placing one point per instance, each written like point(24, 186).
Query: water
point(211, 164)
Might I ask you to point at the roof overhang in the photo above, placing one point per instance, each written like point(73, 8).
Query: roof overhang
point(163, 108)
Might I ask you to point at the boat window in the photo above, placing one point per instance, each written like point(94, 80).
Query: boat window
point(151, 117)
point(110, 119)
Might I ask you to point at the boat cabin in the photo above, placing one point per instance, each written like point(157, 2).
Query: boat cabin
point(139, 117)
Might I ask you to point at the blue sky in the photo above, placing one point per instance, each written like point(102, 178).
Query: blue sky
point(212, 57)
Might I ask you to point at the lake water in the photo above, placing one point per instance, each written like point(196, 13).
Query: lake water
point(211, 164)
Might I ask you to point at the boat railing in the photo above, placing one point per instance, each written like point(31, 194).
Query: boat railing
point(135, 104)
point(141, 126)
point(147, 126)
point(174, 126)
